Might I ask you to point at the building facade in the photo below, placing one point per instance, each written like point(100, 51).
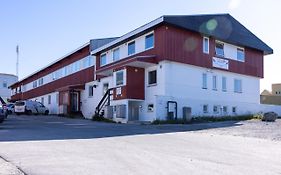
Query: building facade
point(273, 97)
point(5, 81)
point(202, 65)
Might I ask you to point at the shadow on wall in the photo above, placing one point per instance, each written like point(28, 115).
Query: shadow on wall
point(37, 128)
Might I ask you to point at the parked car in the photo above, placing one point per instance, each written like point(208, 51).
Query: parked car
point(10, 108)
point(3, 114)
point(30, 107)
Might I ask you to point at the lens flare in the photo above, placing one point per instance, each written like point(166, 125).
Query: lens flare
point(190, 44)
point(212, 24)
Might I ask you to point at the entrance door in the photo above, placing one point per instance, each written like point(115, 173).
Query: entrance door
point(74, 102)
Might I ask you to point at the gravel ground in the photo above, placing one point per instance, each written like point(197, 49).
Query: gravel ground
point(251, 128)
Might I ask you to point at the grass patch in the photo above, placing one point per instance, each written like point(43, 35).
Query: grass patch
point(208, 119)
point(102, 119)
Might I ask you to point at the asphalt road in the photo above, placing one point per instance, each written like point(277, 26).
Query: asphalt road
point(46, 145)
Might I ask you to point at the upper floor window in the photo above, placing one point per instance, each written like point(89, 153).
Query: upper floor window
point(34, 84)
point(120, 78)
point(219, 49)
point(132, 48)
point(206, 45)
point(5, 85)
point(149, 41)
point(103, 60)
point(41, 81)
point(204, 81)
point(240, 55)
point(152, 77)
point(116, 54)
point(237, 86)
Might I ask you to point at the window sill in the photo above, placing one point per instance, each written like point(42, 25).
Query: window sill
point(237, 92)
point(152, 85)
point(204, 88)
point(149, 48)
point(215, 89)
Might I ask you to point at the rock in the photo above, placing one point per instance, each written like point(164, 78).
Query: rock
point(269, 117)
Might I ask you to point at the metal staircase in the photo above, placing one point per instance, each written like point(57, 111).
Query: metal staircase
point(105, 101)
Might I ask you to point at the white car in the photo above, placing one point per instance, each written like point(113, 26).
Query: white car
point(30, 107)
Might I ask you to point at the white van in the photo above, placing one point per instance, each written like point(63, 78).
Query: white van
point(30, 107)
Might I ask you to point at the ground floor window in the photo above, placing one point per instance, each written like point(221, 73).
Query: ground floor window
point(224, 109)
point(205, 108)
point(49, 99)
point(150, 108)
point(152, 77)
point(91, 91)
point(42, 100)
point(216, 109)
point(234, 109)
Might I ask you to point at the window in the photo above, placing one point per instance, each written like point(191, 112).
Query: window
point(237, 86)
point(219, 49)
point(40, 81)
point(34, 84)
point(5, 85)
point(152, 77)
point(91, 91)
point(57, 98)
point(204, 81)
point(216, 109)
point(76, 66)
point(42, 100)
point(224, 109)
point(205, 108)
point(206, 45)
point(150, 108)
point(132, 48)
point(119, 78)
point(240, 55)
point(103, 60)
point(223, 84)
point(234, 109)
point(49, 99)
point(214, 82)
point(149, 41)
point(116, 54)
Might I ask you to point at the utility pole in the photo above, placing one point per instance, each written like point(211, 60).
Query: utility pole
point(17, 64)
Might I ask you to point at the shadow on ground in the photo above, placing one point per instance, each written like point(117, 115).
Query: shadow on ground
point(39, 128)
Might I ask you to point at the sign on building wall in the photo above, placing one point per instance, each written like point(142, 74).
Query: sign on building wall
point(220, 63)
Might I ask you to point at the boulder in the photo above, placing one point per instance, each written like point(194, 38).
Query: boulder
point(269, 117)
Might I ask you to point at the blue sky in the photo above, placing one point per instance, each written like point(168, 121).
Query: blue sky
point(47, 30)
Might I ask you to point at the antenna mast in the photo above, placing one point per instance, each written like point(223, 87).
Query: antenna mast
point(17, 64)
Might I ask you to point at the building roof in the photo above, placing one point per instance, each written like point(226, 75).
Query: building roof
point(220, 26)
point(94, 43)
point(12, 75)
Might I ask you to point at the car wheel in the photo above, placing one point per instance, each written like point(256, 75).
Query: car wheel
point(46, 112)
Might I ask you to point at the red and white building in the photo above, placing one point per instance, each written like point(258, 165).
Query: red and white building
point(205, 65)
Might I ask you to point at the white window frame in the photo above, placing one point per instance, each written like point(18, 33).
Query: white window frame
point(128, 48)
point(206, 50)
point(222, 43)
point(218, 109)
point(224, 84)
point(113, 51)
point(204, 83)
point(240, 49)
point(151, 84)
point(104, 54)
point(90, 91)
point(240, 90)
point(147, 48)
point(124, 78)
point(207, 109)
point(215, 82)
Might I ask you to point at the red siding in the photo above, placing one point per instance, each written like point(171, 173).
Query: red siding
point(134, 88)
point(80, 77)
point(186, 47)
point(83, 52)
